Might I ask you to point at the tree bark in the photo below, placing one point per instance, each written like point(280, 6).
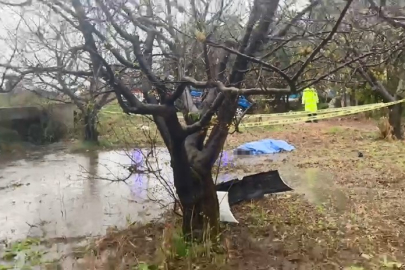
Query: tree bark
point(197, 194)
point(201, 217)
point(353, 100)
point(90, 127)
point(394, 118)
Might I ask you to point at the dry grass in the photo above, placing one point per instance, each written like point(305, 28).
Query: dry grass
point(152, 246)
point(385, 128)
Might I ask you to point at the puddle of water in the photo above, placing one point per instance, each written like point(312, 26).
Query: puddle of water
point(71, 196)
point(65, 195)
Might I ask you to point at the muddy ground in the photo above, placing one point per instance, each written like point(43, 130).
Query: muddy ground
point(346, 212)
point(351, 216)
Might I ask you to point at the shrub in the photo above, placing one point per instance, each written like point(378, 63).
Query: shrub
point(385, 128)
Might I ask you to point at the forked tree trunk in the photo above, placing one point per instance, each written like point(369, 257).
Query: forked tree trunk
point(197, 195)
point(394, 118)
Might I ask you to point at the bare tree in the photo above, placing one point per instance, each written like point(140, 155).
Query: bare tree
point(11, 77)
point(375, 40)
point(49, 60)
point(189, 45)
point(394, 87)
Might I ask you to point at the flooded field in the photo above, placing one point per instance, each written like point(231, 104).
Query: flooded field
point(64, 195)
point(68, 200)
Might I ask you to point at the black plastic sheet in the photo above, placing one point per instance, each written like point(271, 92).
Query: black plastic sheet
point(253, 186)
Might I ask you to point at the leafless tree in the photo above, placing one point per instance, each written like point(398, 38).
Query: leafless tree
point(376, 40)
point(48, 59)
point(392, 15)
point(10, 77)
point(128, 33)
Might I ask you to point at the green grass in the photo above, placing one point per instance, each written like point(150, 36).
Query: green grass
point(22, 255)
point(119, 129)
point(335, 130)
point(112, 107)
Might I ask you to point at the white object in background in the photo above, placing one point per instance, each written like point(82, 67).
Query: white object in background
point(225, 214)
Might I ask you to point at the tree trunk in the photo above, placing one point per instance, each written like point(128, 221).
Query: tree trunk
point(90, 128)
point(394, 117)
point(197, 193)
point(287, 104)
point(353, 100)
point(201, 216)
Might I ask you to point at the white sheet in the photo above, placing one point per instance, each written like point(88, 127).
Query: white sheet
point(225, 214)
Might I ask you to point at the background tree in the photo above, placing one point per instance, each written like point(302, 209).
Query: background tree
point(390, 13)
point(47, 57)
point(377, 45)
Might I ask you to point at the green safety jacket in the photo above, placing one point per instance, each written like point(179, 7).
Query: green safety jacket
point(310, 99)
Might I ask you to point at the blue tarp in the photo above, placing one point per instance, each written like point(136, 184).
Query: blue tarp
point(266, 146)
point(294, 96)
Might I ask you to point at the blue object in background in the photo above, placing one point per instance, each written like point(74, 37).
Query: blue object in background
point(266, 146)
point(293, 97)
point(244, 103)
point(196, 95)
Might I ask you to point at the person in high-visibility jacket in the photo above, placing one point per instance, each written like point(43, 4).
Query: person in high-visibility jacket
point(310, 100)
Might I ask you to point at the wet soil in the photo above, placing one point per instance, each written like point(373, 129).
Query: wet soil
point(346, 211)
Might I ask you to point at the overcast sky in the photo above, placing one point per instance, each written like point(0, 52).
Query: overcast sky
point(10, 18)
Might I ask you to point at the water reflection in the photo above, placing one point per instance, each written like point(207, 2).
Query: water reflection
point(138, 183)
point(139, 187)
point(93, 171)
point(152, 173)
point(69, 195)
point(225, 159)
point(65, 195)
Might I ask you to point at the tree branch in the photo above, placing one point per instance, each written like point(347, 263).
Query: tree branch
point(221, 87)
point(257, 61)
point(324, 42)
point(282, 32)
point(392, 21)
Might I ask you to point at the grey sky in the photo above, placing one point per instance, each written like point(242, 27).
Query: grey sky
point(10, 18)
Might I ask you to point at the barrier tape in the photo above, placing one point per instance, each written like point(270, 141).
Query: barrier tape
point(318, 111)
point(250, 116)
point(320, 117)
point(322, 114)
point(329, 110)
point(108, 112)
